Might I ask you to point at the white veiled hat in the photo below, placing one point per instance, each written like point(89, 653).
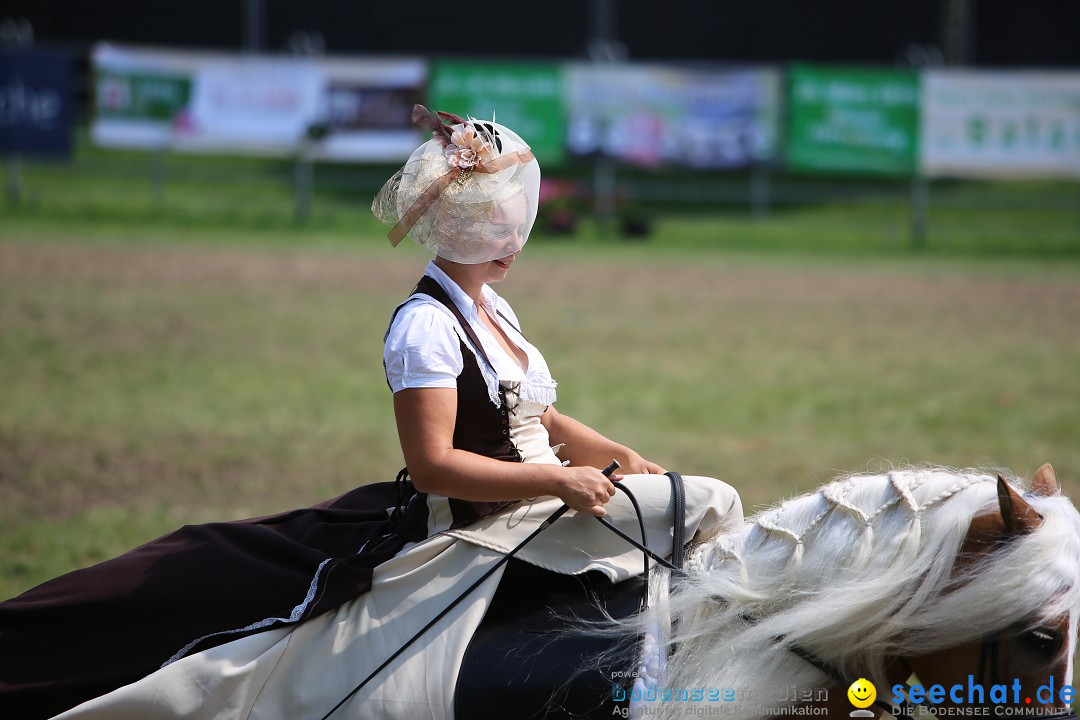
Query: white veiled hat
point(463, 193)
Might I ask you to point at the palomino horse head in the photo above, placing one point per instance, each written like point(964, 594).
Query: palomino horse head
point(958, 578)
point(1025, 666)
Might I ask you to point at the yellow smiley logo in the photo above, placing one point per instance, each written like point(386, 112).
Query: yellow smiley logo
point(862, 693)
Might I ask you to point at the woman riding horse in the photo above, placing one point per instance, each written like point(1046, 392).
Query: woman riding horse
point(207, 620)
point(474, 399)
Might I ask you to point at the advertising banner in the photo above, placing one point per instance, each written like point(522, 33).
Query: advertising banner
point(260, 104)
point(1003, 124)
point(526, 97)
point(351, 109)
point(141, 96)
point(35, 103)
point(652, 115)
point(136, 95)
point(368, 113)
point(853, 120)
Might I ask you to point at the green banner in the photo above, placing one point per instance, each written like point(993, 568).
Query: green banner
point(853, 120)
point(141, 95)
point(526, 97)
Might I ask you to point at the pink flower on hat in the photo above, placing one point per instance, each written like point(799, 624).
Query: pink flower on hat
point(467, 149)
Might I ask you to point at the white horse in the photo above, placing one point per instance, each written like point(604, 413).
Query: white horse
point(935, 573)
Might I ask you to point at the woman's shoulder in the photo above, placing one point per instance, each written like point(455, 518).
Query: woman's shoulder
point(420, 319)
point(422, 347)
point(422, 311)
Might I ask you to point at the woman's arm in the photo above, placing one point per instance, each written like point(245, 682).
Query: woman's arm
point(425, 421)
point(585, 446)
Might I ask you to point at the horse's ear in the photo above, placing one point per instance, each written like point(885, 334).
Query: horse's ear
point(1019, 517)
point(1045, 482)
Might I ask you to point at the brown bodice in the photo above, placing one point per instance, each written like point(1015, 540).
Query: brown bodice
point(479, 426)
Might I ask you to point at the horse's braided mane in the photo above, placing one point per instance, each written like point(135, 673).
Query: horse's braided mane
point(855, 573)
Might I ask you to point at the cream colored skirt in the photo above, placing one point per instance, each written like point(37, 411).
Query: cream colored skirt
point(302, 672)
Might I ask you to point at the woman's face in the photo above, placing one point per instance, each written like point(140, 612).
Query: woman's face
point(505, 231)
point(507, 225)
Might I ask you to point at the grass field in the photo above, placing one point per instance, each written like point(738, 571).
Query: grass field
point(157, 372)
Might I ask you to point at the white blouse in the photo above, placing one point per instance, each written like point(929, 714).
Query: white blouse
point(423, 345)
point(423, 350)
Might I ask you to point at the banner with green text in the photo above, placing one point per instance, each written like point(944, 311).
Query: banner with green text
point(853, 120)
point(1001, 123)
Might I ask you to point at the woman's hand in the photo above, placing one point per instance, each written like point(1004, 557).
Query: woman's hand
point(584, 489)
point(633, 464)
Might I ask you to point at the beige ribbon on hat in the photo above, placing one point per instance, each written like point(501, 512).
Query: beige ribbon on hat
point(436, 189)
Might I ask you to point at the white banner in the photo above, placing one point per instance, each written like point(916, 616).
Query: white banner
point(351, 109)
point(1000, 124)
point(255, 103)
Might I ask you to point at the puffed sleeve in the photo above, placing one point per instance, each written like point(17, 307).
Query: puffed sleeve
point(422, 349)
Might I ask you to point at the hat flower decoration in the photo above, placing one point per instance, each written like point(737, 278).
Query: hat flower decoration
point(450, 183)
point(467, 149)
